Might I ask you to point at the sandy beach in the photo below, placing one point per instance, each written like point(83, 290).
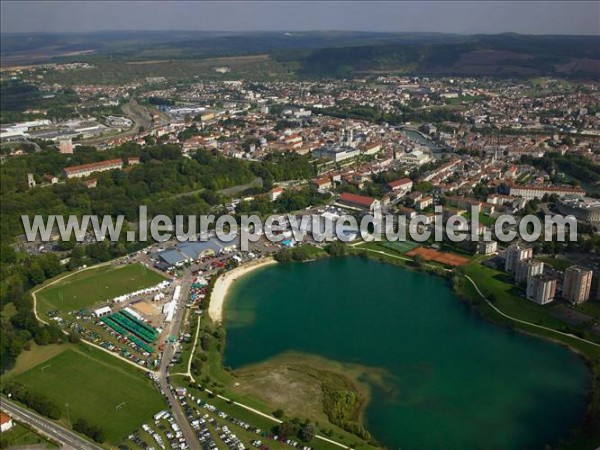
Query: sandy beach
point(219, 292)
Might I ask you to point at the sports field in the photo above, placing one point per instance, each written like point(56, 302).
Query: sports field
point(89, 287)
point(429, 254)
point(106, 392)
point(401, 246)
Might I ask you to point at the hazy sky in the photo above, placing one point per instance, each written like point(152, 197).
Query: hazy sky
point(527, 17)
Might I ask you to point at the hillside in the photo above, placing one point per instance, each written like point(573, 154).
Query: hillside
point(329, 53)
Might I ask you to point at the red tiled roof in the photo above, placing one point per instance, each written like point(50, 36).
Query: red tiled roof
point(93, 166)
point(356, 199)
point(4, 418)
point(400, 182)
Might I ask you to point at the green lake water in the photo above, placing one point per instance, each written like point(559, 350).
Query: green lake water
point(455, 381)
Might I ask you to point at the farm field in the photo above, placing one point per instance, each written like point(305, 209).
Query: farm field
point(89, 287)
point(96, 387)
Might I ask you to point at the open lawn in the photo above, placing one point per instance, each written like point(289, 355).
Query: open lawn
point(97, 387)
point(557, 263)
point(498, 288)
point(97, 285)
point(21, 436)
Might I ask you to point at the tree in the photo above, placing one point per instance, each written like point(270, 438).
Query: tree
point(278, 413)
point(336, 248)
point(307, 432)
point(288, 429)
point(419, 261)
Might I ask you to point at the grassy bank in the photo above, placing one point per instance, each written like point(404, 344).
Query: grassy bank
point(88, 384)
point(496, 287)
point(335, 401)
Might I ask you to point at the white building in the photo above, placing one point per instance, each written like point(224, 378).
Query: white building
point(6, 422)
point(414, 158)
point(101, 312)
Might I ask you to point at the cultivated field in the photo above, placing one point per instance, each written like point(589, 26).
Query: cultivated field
point(252, 67)
point(89, 287)
point(96, 387)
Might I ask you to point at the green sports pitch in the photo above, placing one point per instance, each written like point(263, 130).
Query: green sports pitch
point(96, 285)
point(401, 246)
point(89, 384)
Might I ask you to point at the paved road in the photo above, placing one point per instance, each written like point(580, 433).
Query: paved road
point(173, 330)
point(47, 427)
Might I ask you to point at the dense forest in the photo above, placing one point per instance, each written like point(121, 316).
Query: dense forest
point(18, 97)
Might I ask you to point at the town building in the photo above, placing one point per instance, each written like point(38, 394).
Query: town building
point(531, 192)
point(528, 269)
point(577, 284)
point(65, 146)
point(322, 184)
point(275, 193)
point(30, 180)
point(6, 422)
point(335, 152)
point(585, 209)
point(48, 178)
point(541, 289)
point(358, 201)
point(85, 170)
point(401, 186)
point(423, 203)
point(414, 158)
point(514, 255)
point(487, 248)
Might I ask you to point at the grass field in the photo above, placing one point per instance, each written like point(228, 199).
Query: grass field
point(93, 383)
point(19, 436)
point(557, 263)
point(401, 247)
point(89, 287)
point(251, 67)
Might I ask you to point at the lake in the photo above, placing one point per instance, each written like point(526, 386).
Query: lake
point(454, 380)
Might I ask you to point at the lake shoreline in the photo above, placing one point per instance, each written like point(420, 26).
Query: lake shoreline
point(224, 282)
point(366, 398)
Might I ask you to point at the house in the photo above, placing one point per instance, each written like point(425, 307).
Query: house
point(50, 179)
point(275, 193)
point(322, 184)
point(358, 201)
point(511, 172)
point(409, 213)
point(91, 183)
point(6, 422)
point(402, 186)
point(423, 203)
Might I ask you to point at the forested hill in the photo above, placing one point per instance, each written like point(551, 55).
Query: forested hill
point(330, 53)
point(487, 55)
